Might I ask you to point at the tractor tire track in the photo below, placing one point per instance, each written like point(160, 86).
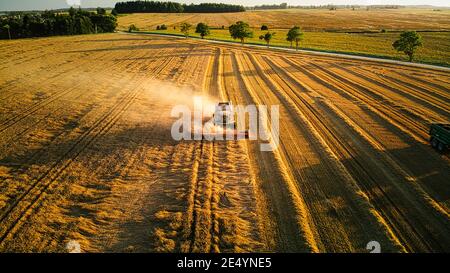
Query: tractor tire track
point(381, 107)
point(38, 106)
point(293, 220)
point(85, 140)
point(40, 152)
point(349, 187)
point(415, 97)
point(419, 243)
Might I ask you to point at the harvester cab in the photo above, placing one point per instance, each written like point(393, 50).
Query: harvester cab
point(224, 124)
point(224, 115)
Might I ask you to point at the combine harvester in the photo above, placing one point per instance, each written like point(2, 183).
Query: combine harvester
point(222, 126)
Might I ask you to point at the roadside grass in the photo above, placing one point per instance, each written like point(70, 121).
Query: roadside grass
point(435, 49)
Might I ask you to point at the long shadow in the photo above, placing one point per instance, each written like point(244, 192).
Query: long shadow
point(111, 145)
point(181, 55)
point(116, 40)
point(427, 165)
point(132, 47)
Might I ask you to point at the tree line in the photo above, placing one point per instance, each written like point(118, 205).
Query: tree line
point(50, 23)
point(266, 7)
point(173, 7)
point(212, 7)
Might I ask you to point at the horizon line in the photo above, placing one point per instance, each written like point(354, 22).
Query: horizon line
point(293, 6)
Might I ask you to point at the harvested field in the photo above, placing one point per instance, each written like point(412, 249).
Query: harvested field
point(86, 152)
point(308, 19)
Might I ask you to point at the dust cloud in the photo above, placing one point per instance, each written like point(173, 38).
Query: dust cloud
point(168, 96)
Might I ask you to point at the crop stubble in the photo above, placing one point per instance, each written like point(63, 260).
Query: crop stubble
point(86, 152)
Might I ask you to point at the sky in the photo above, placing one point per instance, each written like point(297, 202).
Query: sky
point(7, 5)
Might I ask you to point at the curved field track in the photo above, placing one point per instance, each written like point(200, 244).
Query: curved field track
point(86, 152)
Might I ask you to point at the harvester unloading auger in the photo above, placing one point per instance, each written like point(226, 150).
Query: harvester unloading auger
point(222, 126)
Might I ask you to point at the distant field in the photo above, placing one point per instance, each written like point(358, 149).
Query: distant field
point(436, 49)
point(324, 30)
point(309, 20)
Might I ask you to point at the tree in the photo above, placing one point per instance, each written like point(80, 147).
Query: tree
point(294, 35)
point(104, 23)
point(408, 43)
point(203, 29)
point(264, 27)
point(114, 12)
point(83, 25)
point(241, 31)
point(163, 27)
point(72, 12)
point(267, 37)
point(132, 28)
point(101, 11)
point(7, 27)
point(185, 28)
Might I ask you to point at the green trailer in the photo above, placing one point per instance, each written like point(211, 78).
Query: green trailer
point(440, 136)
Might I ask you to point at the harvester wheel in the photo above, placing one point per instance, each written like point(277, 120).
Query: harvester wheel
point(440, 147)
point(434, 143)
